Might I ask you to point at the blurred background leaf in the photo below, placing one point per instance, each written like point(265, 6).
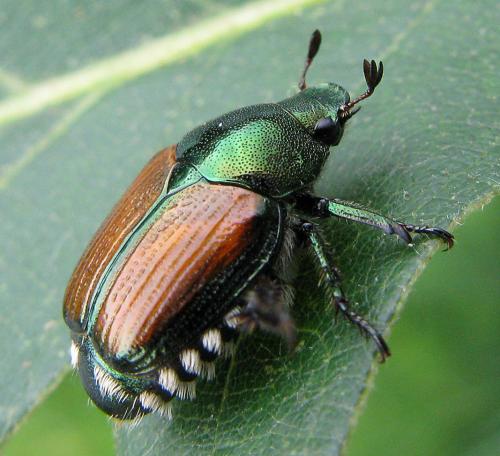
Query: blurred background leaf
point(425, 149)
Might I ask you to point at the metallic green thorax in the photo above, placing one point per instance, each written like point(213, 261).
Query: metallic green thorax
point(269, 148)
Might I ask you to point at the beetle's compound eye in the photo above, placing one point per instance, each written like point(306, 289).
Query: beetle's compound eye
point(328, 131)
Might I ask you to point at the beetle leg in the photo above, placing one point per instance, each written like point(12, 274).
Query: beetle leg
point(323, 207)
point(266, 308)
point(332, 281)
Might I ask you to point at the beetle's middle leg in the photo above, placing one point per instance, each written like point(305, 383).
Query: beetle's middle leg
point(332, 281)
point(323, 207)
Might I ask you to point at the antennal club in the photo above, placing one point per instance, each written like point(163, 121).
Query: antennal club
point(314, 45)
point(373, 76)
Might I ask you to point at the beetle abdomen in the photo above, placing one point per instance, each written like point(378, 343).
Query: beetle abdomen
point(165, 289)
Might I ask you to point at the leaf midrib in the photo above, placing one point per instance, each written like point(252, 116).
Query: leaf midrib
point(112, 71)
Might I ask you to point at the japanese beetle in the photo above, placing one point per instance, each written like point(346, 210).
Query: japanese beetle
point(197, 248)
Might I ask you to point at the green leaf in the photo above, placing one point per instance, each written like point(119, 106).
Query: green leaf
point(90, 90)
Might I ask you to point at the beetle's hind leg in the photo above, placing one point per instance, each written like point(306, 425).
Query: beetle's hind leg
point(332, 282)
point(267, 307)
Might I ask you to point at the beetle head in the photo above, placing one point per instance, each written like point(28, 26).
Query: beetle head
point(319, 110)
point(324, 109)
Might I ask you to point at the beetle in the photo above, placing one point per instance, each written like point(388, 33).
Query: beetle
point(198, 248)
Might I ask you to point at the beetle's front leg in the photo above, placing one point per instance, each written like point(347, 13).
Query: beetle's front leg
point(332, 281)
point(323, 207)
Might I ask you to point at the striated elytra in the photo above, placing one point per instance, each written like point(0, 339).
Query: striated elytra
point(199, 247)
